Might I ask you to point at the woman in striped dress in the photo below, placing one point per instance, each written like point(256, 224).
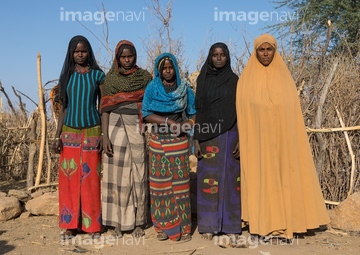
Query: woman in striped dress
point(124, 184)
point(77, 140)
point(169, 105)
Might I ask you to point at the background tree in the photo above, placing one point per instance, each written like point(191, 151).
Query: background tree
point(163, 39)
point(309, 28)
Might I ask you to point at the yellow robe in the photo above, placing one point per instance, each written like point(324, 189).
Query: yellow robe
point(280, 191)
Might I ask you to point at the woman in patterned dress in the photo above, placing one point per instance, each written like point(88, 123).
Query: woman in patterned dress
point(216, 143)
point(169, 105)
point(77, 140)
point(124, 184)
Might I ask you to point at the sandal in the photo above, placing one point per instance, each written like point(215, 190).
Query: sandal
point(254, 239)
point(116, 232)
point(185, 238)
point(138, 232)
point(68, 234)
point(162, 236)
point(207, 236)
point(276, 240)
point(236, 241)
point(95, 235)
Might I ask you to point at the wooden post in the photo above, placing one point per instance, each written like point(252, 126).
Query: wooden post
point(318, 119)
point(32, 150)
point(43, 121)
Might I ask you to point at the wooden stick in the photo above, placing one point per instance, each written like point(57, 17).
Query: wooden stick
point(48, 161)
point(32, 151)
point(318, 118)
point(43, 121)
point(326, 130)
point(351, 154)
point(331, 202)
point(43, 185)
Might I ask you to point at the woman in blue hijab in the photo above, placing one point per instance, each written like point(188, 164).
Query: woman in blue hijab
point(169, 105)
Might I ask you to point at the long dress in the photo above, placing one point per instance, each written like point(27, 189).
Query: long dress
point(124, 191)
point(218, 172)
point(169, 166)
point(218, 189)
point(280, 190)
point(124, 183)
point(169, 176)
point(80, 160)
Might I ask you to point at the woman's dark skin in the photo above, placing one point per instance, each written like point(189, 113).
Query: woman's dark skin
point(265, 54)
point(218, 60)
point(168, 74)
point(81, 58)
point(126, 60)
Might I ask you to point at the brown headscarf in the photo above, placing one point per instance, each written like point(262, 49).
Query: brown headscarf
point(280, 191)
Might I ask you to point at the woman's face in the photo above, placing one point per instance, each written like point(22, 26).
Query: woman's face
point(218, 58)
point(168, 72)
point(265, 53)
point(126, 59)
point(81, 54)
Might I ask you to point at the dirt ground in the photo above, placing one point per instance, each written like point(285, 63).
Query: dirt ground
point(40, 235)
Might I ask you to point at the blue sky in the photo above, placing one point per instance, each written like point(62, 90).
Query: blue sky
point(31, 27)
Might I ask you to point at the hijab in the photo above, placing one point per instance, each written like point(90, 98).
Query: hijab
point(215, 97)
point(120, 80)
point(157, 99)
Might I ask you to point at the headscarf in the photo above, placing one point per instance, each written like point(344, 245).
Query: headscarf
point(122, 85)
point(215, 97)
point(275, 77)
point(120, 80)
point(156, 99)
point(69, 66)
point(278, 176)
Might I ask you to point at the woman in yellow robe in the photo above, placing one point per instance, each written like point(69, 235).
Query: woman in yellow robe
point(280, 191)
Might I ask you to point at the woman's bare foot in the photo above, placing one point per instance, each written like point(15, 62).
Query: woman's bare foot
point(138, 232)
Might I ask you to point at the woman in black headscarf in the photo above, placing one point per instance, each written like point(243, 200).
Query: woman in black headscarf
point(216, 143)
point(77, 140)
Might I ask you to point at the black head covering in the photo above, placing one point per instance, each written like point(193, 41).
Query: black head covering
point(69, 66)
point(215, 97)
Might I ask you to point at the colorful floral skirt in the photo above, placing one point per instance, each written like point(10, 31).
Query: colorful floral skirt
point(79, 180)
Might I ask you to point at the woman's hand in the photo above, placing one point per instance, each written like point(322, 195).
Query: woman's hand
point(99, 144)
point(197, 148)
point(186, 126)
point(178, 128)
point(236, 151)
point(107, 146)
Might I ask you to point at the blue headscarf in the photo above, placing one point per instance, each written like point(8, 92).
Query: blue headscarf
point(156, 99)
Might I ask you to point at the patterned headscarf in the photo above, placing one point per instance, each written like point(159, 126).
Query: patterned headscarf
point(69, 66)
point(120, 80)
point(122, 85)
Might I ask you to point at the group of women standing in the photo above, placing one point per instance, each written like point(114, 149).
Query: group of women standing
point(249, 135)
